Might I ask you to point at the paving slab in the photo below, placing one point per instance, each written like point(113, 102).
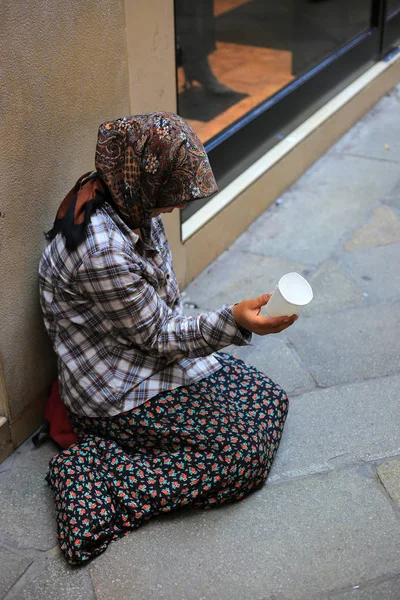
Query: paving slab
point(236, 276)
point(386, 589)
point(395, 204)
point(332, 289)
point(395, 190)
point(273, 357)
point(58, 581)
point(354, 344)
point(320, 209)
point(382, 228)
point(393, 198)
point(28, 455)
point(287, 541)
point(12, 567)
point(27, 514)
point(377, 135)
point(389, 474)
point(336, 427)
point(375, 271)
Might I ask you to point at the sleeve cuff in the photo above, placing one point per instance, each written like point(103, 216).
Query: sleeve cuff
point(240, 336)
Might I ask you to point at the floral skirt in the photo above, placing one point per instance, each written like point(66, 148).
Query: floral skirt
point(209, 443)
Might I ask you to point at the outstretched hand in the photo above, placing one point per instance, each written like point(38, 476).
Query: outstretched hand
point(247, 314)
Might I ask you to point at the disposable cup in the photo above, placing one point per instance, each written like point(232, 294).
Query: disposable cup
point(291, 294)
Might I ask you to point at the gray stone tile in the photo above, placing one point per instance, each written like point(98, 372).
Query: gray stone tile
point(339, 426)
point(59, 581)
point(236, 276)
point(332, 290)
point(395, 191)
point(375, 271)
point(37, 458)
point(382, 228)
point(394, 203)
point(389, 474)
point(393, 198)
point(272, 356)
point(357, 343)
point(377, 135)
point(26, 502)
point(321, 209)
point(29, 456)
point(11, 568)
point(286, 541)
point(7, 464)
point(386, 589)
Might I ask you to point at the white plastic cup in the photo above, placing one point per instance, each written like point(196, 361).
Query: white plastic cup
point(291, 294)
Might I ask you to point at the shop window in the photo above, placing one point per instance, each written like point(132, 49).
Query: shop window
point(393, 6)
point(232, 55)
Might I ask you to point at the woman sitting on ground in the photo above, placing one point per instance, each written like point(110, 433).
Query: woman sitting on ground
point(163, 418)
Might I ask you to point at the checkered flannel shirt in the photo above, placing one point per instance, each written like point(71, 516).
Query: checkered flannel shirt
point(113, 312)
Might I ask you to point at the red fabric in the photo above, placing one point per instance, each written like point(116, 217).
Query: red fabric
point(56, 414)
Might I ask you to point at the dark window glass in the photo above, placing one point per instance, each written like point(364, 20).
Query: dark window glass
point(392, 7)
point(232, 55)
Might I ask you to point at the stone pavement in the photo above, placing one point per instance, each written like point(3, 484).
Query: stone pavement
point(327, 523)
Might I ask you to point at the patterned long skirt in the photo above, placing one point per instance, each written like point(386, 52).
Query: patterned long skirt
point(209, 443)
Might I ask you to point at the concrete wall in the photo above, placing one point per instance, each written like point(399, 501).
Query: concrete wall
point(63, 71)
point(150, 39)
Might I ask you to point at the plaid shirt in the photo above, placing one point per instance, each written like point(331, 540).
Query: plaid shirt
point(113, 312)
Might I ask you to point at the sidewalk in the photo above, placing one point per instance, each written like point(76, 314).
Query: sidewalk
point(327, 523)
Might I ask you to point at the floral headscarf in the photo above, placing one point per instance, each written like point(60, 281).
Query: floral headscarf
point(152, 161)
point(142, 163)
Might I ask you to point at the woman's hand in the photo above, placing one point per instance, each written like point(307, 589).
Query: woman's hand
point(247, 314)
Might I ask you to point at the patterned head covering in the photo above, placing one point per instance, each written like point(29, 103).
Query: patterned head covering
point(152, 161)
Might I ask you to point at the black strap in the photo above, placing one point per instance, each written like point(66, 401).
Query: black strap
point(42, 435)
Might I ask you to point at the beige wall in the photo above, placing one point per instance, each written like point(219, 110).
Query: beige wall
point(66, 67)
point(150, 40)
point(65, 71)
